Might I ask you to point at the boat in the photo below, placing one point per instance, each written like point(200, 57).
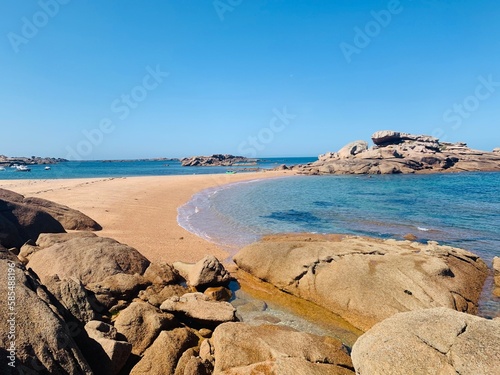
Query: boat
point(23, 168)
point(47, 168)
point(2, 168)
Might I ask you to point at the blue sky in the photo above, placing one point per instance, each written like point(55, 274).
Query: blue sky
point(134, 79)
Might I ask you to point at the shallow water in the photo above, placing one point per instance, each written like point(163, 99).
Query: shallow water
point(461, 210)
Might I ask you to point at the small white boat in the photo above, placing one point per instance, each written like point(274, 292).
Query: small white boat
point(23, 168)
point(47, 168)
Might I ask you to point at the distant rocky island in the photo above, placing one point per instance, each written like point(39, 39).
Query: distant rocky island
point(7, 161)
point(129, 160)
point(217, 160)
point(396, 152)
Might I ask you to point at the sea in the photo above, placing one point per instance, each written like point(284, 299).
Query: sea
point(130, 168)
point(461, 209)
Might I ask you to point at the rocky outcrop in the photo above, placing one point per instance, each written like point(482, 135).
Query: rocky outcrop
point(216, 160)
point(367, 280)
point(205, 273)
point(8, 161)
point(34, 337)
point(200, 308)
point(237, 348)
point(397, 152)
point(432, 341)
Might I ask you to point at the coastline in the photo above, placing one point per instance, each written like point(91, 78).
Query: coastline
point(140, 211)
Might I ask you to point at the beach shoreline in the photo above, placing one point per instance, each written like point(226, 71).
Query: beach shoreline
point(140, 211)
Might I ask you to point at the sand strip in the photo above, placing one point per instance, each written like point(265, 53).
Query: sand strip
point(139, 211)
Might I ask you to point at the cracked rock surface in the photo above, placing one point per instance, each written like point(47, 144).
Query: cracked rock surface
point(367, 280)
point(430, 341)
point(239, 348)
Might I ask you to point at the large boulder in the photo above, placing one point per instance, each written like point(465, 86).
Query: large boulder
point(23, 219)
point(384, 137)
point(20, 223)
point(32, 332)
point(432, 341)
point(205, 273)
point(89, 259)
point(242, 349)
point(111, 271)
point(163, 356)
point(366, 280)
point(70, 219)
point(201, 308)
point(141, 323)
point(352, 149)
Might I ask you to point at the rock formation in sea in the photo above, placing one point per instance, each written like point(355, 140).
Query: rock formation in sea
point(367, 280)
point(217, 160)
point(397, 152)
point(7, 161)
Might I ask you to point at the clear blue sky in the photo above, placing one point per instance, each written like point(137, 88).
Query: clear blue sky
point(231, 68)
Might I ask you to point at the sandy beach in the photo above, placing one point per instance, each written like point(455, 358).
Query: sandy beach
point(139, 211)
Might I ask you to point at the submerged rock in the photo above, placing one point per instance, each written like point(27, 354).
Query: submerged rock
point(367, 280)
point(432, 341)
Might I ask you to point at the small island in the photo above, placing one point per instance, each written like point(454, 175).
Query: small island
point(217, 160)
point(6, 161)
point(397, 152)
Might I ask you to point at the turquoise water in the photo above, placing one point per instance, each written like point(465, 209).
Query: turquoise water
point(91, 169)
point(462, 210)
